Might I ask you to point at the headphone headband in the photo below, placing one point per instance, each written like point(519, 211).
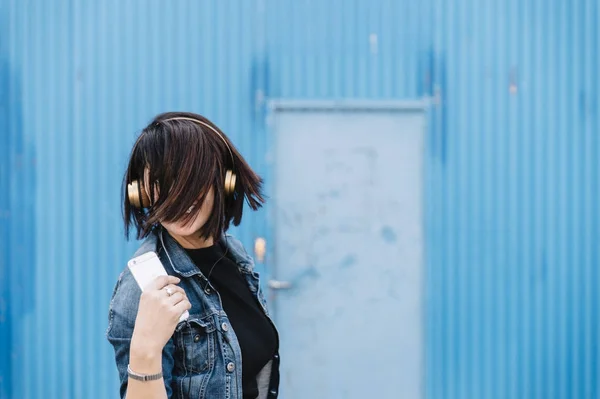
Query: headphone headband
point(208, 126)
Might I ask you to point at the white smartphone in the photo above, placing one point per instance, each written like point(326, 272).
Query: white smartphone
point(145, 268)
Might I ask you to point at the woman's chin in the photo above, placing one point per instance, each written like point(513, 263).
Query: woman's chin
point(182, 230)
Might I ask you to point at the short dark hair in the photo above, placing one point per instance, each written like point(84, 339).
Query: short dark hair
point(185, 159)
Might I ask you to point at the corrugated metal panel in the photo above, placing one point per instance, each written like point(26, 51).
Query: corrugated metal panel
point(512, 217)
point(513, 160)
point(5, 177)
point(85, 77)
point(512, 171)
point(340, 49)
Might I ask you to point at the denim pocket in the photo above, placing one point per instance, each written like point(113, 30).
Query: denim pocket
point(195, 346)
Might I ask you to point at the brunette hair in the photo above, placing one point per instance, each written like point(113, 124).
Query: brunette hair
point(178, 162)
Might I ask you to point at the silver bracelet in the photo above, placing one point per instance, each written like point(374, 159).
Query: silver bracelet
point(143, 377)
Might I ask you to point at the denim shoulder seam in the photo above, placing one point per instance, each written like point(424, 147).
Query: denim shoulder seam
point(112, 302)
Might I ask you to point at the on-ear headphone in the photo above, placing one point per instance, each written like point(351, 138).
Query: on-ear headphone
point(138, 197)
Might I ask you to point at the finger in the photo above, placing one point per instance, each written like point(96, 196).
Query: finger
point(162, 281)
point(182, 307)
point(175, 298)
point(172, 289)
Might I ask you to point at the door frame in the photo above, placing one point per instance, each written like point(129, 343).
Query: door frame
point(275, 105)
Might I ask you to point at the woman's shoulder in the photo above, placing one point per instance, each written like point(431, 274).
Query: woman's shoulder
point(126, 294)
point(123, 304)
point(237, 250)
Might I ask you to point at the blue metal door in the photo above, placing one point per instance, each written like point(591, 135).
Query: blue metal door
point(348, 272)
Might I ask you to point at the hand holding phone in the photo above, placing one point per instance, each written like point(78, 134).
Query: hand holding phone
point(145, 269)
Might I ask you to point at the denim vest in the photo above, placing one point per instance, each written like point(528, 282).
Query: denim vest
point(203, 357)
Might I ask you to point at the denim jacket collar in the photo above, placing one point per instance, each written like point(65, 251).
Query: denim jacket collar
point(181, 262)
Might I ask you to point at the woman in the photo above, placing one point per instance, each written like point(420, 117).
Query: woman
point(184, 185)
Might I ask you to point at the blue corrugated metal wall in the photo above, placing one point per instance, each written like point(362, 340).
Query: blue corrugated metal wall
point(512, 164)
point(83, 78)
point(5, 177)
point(512, 187)
point(513, 196)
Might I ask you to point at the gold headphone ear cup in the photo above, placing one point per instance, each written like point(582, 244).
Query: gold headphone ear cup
point(137, 197)
point(133, 194)
point(233, 181)
point(230, 179)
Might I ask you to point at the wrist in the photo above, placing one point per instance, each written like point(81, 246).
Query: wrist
point(144, 346)
point(144, 358)
point(143, 377)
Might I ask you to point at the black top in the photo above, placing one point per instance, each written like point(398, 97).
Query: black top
point(254, 331)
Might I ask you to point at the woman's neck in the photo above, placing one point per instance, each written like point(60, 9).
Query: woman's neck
point(193, 242)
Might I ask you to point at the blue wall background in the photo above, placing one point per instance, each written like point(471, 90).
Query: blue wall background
point(512, 166)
